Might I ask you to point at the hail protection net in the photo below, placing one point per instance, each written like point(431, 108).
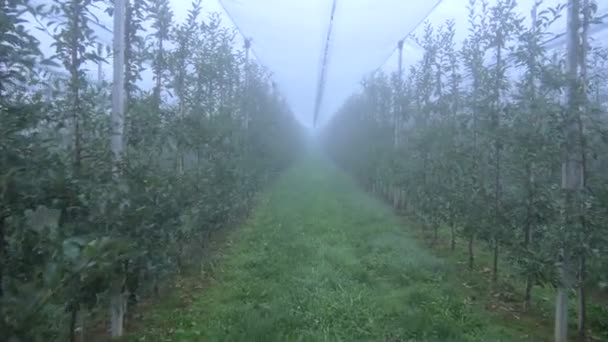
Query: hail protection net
point(290, 37)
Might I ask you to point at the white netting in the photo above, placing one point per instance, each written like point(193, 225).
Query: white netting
point(288, 37)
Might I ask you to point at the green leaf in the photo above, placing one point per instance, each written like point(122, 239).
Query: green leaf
point(43, 218)
point(71, 249)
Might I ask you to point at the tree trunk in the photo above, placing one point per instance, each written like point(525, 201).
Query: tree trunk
point(2, 254)
point(156, 288)
point(77, 140)
point(159, 75)
point(471, 256)
point(178, 258)
point(497, 155)
point(387, 190)
point(495, 262)
point(581, 300)
point(99, 64)
point(528, 292)
point(395, 195)
point(528, 237)
point(182, 162)
point(75, 87)
point(453, 235)
point(73, 320)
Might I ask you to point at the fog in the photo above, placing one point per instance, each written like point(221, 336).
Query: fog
point(310, 188)
point(288, 38)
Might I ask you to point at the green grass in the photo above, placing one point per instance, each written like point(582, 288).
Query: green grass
point(321, 260)
point(505, 299)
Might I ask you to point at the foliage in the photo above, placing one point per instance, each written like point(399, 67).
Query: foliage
point(480, 149)
point(68, 228)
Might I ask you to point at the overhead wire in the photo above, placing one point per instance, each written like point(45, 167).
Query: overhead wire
point(405, 37)
point(240, 31)
point(326, 52)
point(323, 71)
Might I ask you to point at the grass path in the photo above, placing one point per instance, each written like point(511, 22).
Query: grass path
point(320, 260)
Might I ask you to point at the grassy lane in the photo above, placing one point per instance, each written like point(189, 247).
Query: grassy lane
point(320, 260)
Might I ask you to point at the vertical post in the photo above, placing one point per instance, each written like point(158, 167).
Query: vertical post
point(247, 80)
point(75, 63)
point(400, 68)
point(117, 297)
point(118, 86)
point(497, 152)
point(530, 165)
point(581, 303)
point(397, 110)
point(572, 175)
point(246, 110)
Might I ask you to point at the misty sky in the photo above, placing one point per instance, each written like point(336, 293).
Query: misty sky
point(288, 38)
